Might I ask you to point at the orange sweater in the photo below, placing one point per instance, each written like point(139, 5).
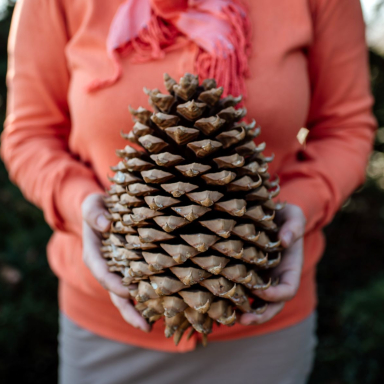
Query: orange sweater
point(308, 68)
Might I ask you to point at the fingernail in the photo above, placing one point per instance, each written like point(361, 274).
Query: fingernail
point(260, 292)
point(142, 328)
point(135, 325)
point(254, 321)
point(287, 238)
point(102, 222)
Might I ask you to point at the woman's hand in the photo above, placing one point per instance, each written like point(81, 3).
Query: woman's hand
point(95, 222)
point(292, 221)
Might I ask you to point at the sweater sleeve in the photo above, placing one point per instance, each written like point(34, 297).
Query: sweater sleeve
point(35, 139)
point(341, 126)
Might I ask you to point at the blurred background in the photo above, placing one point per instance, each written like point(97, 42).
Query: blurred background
point(350, 275)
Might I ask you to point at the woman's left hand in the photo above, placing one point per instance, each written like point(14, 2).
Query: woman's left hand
point(291, 234)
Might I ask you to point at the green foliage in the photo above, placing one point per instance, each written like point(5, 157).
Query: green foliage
point(351, 283)
point(28, 315)
point(363, 317)
point(350, 275)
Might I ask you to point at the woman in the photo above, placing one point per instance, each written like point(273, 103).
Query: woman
point(308, 67)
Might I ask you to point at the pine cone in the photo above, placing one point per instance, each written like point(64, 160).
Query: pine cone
point(192, 212)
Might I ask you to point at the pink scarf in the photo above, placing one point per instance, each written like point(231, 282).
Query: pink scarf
point(150, 28)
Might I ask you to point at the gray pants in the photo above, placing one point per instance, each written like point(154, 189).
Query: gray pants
point(283, 357)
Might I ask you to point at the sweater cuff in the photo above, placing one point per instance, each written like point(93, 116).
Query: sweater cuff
point(74, 189)
point(311, 196)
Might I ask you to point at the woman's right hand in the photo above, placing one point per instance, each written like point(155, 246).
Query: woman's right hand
point(95, 222)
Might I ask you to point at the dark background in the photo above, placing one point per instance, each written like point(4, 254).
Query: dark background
point(350, 276)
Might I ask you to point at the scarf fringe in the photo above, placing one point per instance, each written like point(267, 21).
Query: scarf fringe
point(228, 64)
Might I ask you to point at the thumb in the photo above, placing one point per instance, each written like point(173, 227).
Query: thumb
point(293, 227)
point(94, 212)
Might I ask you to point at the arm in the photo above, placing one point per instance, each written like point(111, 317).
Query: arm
point(321, 177)
point(332, 165)
point(35, 140)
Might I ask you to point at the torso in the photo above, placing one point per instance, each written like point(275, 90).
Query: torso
point(278, 88)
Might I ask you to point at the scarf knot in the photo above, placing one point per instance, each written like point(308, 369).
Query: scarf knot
point(148, 29)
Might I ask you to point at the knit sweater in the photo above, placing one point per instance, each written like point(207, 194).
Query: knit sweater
point(308, 69)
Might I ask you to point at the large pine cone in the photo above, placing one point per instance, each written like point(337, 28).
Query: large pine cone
point(193, 216)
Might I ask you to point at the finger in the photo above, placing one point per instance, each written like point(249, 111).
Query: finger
point(133, 290)
point(289, 274)
point(98, 265)
point(292, 221)
point(94, 212)
point(129, 313)
point(291, 230)
point(271, 311)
